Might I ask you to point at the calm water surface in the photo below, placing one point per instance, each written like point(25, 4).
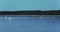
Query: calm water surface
point(30, 24)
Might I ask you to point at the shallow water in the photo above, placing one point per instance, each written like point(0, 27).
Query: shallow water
point(30, 24)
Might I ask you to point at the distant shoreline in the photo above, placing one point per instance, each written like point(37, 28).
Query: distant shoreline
point(30, 12)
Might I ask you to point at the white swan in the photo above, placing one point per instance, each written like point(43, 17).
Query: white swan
point(9, 18)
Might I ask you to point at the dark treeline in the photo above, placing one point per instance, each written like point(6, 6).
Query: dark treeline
point(30, 12)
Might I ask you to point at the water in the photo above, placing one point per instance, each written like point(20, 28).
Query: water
point(30, 24)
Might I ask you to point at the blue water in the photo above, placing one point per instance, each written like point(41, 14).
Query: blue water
point(30, 24)
point(14, 5)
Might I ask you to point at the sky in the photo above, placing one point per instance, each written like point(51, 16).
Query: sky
point(14, 5)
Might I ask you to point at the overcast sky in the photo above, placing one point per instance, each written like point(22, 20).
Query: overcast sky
point(29, 5)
